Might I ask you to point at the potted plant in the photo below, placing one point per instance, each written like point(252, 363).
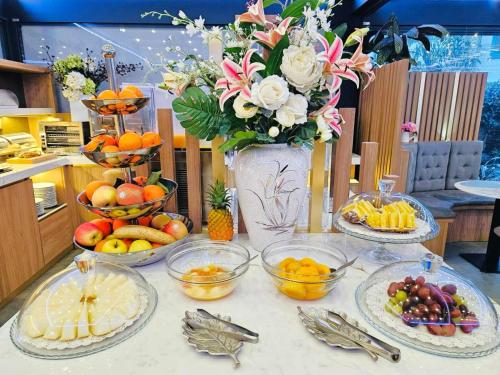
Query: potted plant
point(408, 131)
point(273, 95)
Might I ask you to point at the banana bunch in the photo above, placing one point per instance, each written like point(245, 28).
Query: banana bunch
point(395, 217)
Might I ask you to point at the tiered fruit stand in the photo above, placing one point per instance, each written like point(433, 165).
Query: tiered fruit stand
point(126, 160)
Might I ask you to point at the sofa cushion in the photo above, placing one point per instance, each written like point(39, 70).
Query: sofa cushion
point(432, 165)
point(412, 165)
point(465, 162)
point(441, 203)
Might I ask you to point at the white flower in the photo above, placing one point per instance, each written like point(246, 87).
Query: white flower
point(326, 136)
point(273, 131)
point(270, 93)
point(174, 81)
point(322, 124)
point(71, 95)
point(175, 22)
point(199, 23)
point(182, 14)
point(294, 111)
point(241, 110)
point(191, 29)
point(74, 80)
point(301, 67)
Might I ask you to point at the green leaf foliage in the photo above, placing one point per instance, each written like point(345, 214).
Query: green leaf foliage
point(339, 31)
point(296, 8)
point(239, 140)
point(268, 3)
point(198, 113)
point(276, 56)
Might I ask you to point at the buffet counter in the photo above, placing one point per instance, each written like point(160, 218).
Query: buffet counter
point(285, 346)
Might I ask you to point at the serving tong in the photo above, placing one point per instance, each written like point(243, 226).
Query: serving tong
point(337, 330)
point(216, 334)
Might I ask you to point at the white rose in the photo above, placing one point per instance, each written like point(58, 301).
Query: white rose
point(301, 67)
point(273, 131)
point(174, 81)
point(270, 93)
point(294, 111)
point(241, 111)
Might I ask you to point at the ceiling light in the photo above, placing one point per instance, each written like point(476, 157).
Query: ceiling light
point(153, 31)
point(137, 39)
point(123, 29)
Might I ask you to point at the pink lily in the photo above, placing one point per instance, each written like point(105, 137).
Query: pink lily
point(362, 63)
point(255, 14)
point(237, 78)
point(329, 115)
point(335, 65)
point(273, 36)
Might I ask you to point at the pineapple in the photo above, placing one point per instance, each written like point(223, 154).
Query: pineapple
point(220, 220)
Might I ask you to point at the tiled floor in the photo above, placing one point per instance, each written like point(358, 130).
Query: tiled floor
point(489, 283)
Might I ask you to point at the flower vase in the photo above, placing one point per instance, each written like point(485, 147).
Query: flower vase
point(405, 137)
point(79, 112)
point(271, 182)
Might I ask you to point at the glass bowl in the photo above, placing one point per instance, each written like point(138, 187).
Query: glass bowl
point(207, 270)
point(303, 269)
point(88, 307)
point(115, 106)
point(122, 159)
point(133, 211)
point(431, 308)
point(144, 257)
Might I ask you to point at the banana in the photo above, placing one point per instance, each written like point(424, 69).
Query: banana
point(139, 232)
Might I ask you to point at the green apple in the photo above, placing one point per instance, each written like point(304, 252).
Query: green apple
point(114, 246)
point(139, 245)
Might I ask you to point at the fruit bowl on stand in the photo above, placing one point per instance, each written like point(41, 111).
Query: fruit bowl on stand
point(142, 257)
point(132, 211)
point(122, 159)
point(107, 107)
point(430, 308)
point(385, 217)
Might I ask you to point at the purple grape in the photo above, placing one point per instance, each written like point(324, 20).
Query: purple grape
point(449, 288)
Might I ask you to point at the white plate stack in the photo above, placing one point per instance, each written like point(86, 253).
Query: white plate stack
point(40, 210)
point(47, 192)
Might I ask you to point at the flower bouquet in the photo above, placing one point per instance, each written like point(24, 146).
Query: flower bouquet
point(276, 90)
point(408, 131)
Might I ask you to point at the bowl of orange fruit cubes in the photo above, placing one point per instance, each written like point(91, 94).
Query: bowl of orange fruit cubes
point(128, 100)
point(303, 269)
point(207, 270)
point(128, 150)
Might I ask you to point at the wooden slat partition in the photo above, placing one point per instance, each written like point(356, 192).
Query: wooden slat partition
point(403, 171)
point(368, 164)
point(446, 106)
point(193, 162)
point(341, 160)
point(167, 152)
point(382, 110)
point(218, 167)
point(317, 187)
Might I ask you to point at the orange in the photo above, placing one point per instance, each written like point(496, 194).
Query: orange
point(117, 223)
point(130, 141)
point(140, 180)
point(110, 149)
point(105, 139)
point(127, 94)
point(135, 89)
point(150, 139)
point(145, 221)
point(99, 245)
point(107, 94)
point(153, 192)
point(91, 146)
point(92, 186)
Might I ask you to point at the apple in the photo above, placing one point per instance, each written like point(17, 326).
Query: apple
point(104, 225)
point(100, 244)
point(127, 241)
point(114, 246)
point(129, 194)
point(175, 228)
point(117, 223)
point(159, 221)
point(104, 196)
point(139, 245)
point(144, 221)
point(88, 234)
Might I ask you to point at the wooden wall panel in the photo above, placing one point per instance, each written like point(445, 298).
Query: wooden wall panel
point(167, 152)
point(444, 107)
point(193, 162)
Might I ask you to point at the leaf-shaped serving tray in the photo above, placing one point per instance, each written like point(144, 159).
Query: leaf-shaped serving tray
point(210, 340)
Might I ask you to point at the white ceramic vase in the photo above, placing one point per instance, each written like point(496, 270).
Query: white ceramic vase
point(405, 137)
point(79, 112)
point(271, 182)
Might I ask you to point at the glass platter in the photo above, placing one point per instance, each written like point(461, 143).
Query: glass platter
point(424, 228)
point(472, 332)
point(86, 308)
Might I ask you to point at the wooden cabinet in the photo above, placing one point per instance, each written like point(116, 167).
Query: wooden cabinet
point(56, 232)
point(21, 254)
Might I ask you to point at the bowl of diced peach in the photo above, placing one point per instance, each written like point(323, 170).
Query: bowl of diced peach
point(304, 269)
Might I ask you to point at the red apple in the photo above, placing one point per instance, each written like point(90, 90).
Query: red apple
point(117, 223)
point(175, 228)
point(104, 225)
point(88, 234)
point(128, 194)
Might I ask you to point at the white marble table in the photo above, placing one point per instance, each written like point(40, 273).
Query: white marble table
point(489, 262)
point(285, 346)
